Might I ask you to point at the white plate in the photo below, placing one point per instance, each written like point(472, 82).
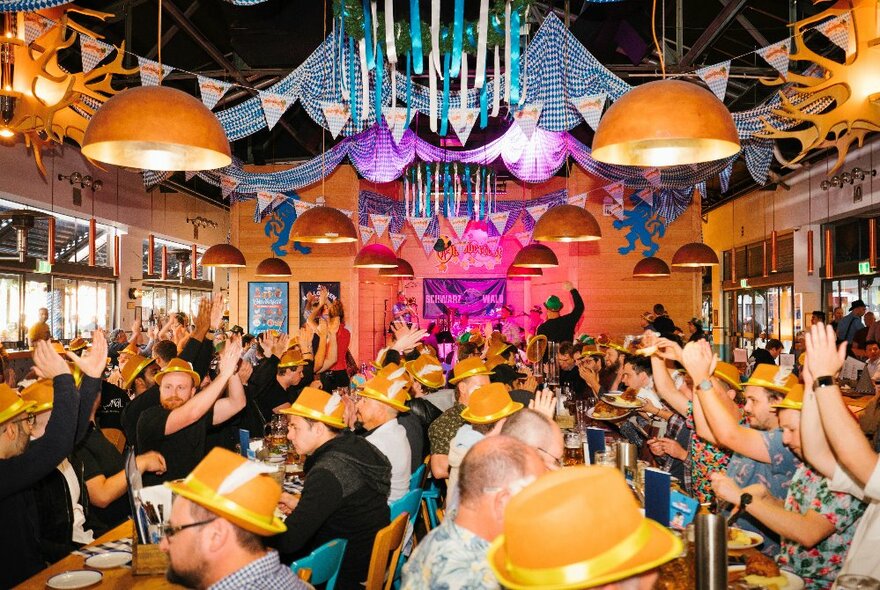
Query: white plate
point(75, 579)
point(108, 560)
point(794, 582)
point(615, 419)
point(756, 538)
point(618, 402)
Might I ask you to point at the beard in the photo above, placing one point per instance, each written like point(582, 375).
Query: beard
point(172, 403)
point(187, 579)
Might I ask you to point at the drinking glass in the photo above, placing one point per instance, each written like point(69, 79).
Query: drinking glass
point(574, 449)
point(606, 458)
point(857, 582)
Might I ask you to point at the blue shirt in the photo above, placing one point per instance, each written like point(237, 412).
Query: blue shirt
point(449, 558)
point(266, 573)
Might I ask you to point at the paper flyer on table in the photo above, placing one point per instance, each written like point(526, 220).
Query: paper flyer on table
point(851, 368)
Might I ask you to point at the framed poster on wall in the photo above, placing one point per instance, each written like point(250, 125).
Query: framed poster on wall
point(268, 307)
point(311, 288)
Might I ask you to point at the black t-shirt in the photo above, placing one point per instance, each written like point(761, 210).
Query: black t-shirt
point(182, 450)
point(113, 402)
point(99, 457)
point(132, 413)
point(575, 382)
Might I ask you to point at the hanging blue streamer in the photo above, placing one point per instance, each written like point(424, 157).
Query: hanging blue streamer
point(380, 71)
point(415, 34)
point(484, 105)
point(408, 88)
point(457, 31)
point(471, 34)
point(514, 57)
point(444, 108)
point(482, 189)
point(447, 189)
point(368, 34)
point(352, 83)
point(467, 184)
point(428, 208)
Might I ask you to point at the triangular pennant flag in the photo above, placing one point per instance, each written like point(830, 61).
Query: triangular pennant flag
point(578, 200)
point(700, 187)
point(499, 220)
point(527, 118)
point(536, 211)
point(35, 25)
point(380, 222)
point(397, 122)
point(611, 208)
point(837, 30)
point(227, 185)
point(615, 190)
point(92, 51)
point(188, 174)
point(397, 240)
point(458, 224)
point(716, 78)
point(462, 121)
point(367, 233)
point(523, 237)
point(419, 225)
point(274, 106)
point(590, 107)
point(428, 245)
point(777, 55)
point(152, 73)
point(724, 177)
point(337, 115)
point(652, 175)
point(212, 90)
point(646, 195)
point(301, 206)
point(264, 199)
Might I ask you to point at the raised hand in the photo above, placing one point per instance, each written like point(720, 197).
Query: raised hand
point(667, 349)
point(279, 346)
point(698, 360)
point(230, 356)
point(824, 357)
point(544, 402)
point(245, 370)
point(202, 319)
point(305, 338)
point(216, 310)
point(48, 364)
point(93, 363)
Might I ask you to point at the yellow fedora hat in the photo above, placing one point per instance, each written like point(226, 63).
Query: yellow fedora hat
point(772, 377)
point(11, 404)
point(41, 394)
point(178, 365)
point(380, 358)
point(135, 365)
point(592, 350)
point(58, 347)
point(729, 374)
point(291, 358)
point(390, 386)
point(536, 347)
point(427, 370)
point(530, 552)
point(77, 344)
point(315, 404)
point(493, 360)
point(468, 367)
point(247, 499)
point(490, 403)
point(794, 399)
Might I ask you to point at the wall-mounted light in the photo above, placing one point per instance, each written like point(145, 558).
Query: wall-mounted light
point(135, 293)
point(198, 222)
point(838, 180)
point(77, 179)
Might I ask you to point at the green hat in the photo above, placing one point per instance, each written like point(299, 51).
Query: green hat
point(553, 303)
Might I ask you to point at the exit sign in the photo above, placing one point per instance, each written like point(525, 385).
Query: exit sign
point(744, 283)
point(43, 267)
point(865, 268)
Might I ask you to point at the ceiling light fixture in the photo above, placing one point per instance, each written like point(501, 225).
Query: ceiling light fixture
point(694, 255)
point(323, 225)
point(521, 272)
point(375, 256)
point(651, 268)
point(273, 267)
point(404, 270)
point(223, 256)
point(567, 223)
point(536, 256)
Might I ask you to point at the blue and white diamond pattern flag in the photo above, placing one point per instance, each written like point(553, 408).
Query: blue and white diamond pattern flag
point(590, 107)
point(428, 245)
point(397, 240)
point(419, 225)
point(92, 51)
point(380, 222)
point(397, 122)
point(777, 55)
point(459, 224)
point(646, 195)
point(274, 105)
point(837, 30)
point(151, 73)
point(716, 78)
point(227, 185)
point(212, 90)
point(301, 206)
point(523, 237)
point(652, 175)
point(264, 200)
point(462, 121)
point(536, 211)
point(527, 118)
point(337, 115)
point(35, 25)
point(578, 200)
point(499, 220)
point(367, 233)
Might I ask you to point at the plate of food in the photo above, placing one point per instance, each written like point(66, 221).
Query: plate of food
point(627, 400)
point(607, 412)
point(761, 572)
point(742, 539)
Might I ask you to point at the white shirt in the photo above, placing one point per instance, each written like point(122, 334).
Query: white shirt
point(80, 535)
point(873, 367)
point(862, 555)
point(464, 439)
point(390, 438)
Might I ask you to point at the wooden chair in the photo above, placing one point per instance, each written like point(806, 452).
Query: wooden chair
point(115, 436)
point(386, 552)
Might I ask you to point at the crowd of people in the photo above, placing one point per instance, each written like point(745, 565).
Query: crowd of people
point(483, 426)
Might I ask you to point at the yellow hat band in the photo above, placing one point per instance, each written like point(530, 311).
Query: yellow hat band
point(382, 398)
point(20, 406)
point(588, 569)
point(735, 384)
point(306, 412)
point(767, 385)
point(470, 373)
point(200, 491)
point(507, 410)
point(787, 404)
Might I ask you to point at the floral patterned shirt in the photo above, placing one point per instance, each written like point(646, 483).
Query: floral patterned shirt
point(820, 565)
point(444, 428)
point(703, 458)
point(449, 558)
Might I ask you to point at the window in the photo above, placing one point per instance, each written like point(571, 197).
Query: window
point(80, 306)
point(159, 302)
point(10, 307)
point(179, 260)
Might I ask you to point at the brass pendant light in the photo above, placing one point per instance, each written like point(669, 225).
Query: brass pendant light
point(536, 256)
point(375, 256)
point(694, 255)
point(567, 223)
point(521, 272)
point(273, 267)
point(323, 225)
point(403, 270)
point(223, 256)
point(650, 267)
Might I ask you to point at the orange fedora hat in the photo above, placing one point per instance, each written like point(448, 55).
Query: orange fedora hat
point(315, 404)
point(135, 365)
point(772, 377)
point(41, 394)
point(11, 404)
point(427, 370)
point(390, 386)
point(291, 358)
point(178, 365)
point(794, 399)
point(530, 553)
point(468, 367)
point(729, 374)
point(236, 489)
point(490, 403)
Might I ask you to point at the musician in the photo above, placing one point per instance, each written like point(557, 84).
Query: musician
point(508, 326)
point(404, 310)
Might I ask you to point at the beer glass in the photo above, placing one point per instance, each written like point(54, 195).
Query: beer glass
point(574, 449)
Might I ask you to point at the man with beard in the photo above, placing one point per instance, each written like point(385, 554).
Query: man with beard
point(178, 427)
point(277, 375)
point(215, 535)
point(23, 464)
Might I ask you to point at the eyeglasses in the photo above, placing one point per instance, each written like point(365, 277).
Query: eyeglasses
point(31, 419)
point(556, 460)
point(169, 531)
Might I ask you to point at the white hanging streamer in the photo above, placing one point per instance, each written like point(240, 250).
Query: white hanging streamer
point(496, 95)
point(463, 101)
point(375, 22)
point(394, 87)
point(507, 52)
point(435, 38)
point(406, 192)
point(478, 194)
point(365, 82)
point(389, 32)
point(432, 93)
point(421, 190)
point(482, 36)
point(437, 188)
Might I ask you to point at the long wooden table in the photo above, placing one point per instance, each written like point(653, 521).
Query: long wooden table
point(120, 577)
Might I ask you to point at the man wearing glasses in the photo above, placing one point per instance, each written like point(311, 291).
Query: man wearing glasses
point(24, 463)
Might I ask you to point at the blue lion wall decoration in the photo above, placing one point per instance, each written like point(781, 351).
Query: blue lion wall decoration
point(278, 225)
point(644, 225)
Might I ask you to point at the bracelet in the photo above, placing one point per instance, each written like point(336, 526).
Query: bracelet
point(705, 385)
point(824, 381)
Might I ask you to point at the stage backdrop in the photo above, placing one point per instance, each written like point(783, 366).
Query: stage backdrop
point(267, 307)
point(475, 297)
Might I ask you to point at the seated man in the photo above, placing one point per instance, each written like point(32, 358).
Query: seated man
point(624, 552)
point(345, 493)
point(278, 373)
point(540, 433)
point(177, 429)
point(453, 555)
point(222, 512)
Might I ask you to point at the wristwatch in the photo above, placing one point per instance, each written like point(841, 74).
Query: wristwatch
point(826, 381)
point(706, 385)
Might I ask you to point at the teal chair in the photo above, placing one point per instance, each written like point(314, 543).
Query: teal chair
point(431, 499)
point(324, 563)
point(410, 505)
point(416, 479)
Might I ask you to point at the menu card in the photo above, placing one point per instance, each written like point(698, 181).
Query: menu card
point(595, 444)
point(851, 368)
point(657, 490)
